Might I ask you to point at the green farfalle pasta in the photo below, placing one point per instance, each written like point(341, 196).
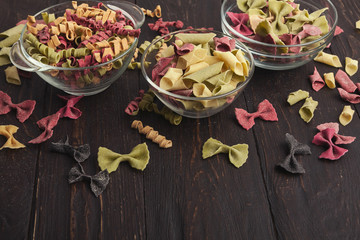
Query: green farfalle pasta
point(279, 10)
point(238, 153)
point(307, 110)
point(138, 158)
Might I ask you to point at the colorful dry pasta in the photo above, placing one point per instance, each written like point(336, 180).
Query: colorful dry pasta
point(84, 36)
point(203, 63)
point(328, 59)
point(344, 81)
point(155, 13)
point(12, 75)
point(297, 96)
point(238, 153)
point(8, 131)
point(138, 158)
point(308, 108)
point(346, 115)
point(152, 134)
point(351, 66)
point(278, 22)
point(330, 80)
point(23, 109)
point(316, 81)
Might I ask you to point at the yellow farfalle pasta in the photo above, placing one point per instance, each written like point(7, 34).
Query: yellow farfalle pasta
point(12, 75)
point(151, 134)
point(346, 115)
point(195, 38)
point(8, 131)
point(328, 59)
point(297, 96)
point(351, 66)
point(203, 74)
point(307, 110)
point(330, 80)
point(172, 80)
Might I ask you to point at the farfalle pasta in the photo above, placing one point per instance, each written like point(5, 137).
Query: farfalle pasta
point(279, 22)
point(84, 36)
point(8, 131)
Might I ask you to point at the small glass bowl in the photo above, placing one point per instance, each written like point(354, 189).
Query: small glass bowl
point(71, 83)
point(264, 52)
point(178, 103)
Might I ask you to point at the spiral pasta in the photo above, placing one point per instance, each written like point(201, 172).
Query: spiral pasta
point(151, 134)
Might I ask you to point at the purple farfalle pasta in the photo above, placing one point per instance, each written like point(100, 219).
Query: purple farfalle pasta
point(79, 154)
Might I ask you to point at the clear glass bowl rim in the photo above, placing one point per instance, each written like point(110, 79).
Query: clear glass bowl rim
point(46, 67)
point(275, 45)
point(241, 85)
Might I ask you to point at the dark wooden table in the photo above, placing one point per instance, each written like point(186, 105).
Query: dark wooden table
point(180, 195)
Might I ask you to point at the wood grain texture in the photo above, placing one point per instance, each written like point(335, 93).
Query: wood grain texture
point(180, 195)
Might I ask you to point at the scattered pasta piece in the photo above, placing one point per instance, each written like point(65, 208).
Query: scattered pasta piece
point(351, 66)
point(317, 82)
point(328, 59)
point(338, 139)
point(290, 163)
point(265, 111)
point(338, 30)
point(163, 26)
point(328, 133)
point(12, 75)
point(79, 154)
point(133, 106)
point(357, 24)
point(307, 110)
point(297, 96)
point(4, 56)
point(346, 115)
point(350, 97)
point(8, 131)
point(46, 123)
point(23, 109)
point(155, 13)
point(344, 81)
point(138, 158)
point(238, 153)
point(98, 182)
point(330, 80)
point(151, 134)
point(69, 110)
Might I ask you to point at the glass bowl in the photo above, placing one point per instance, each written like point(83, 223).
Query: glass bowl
point(191, 106)
point(271, 56)
point(88, 80)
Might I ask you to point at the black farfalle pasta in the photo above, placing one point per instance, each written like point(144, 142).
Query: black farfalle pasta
point(290, 163)
point(98, 182)
point(80, 153)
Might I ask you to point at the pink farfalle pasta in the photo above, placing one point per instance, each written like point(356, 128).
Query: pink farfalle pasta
point(316, 80)
point(338, 139)
point(23, 109)
point(69, 110)
point(265, 111)
point(240, 21)
point(46, 123)
point(324, 138)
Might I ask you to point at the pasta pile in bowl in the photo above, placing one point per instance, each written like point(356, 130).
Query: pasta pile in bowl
point(80, 47)
point(197, 72)
point(281, 34)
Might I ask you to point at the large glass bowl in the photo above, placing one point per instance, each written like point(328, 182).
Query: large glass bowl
point(179, 103)
point(270, 56)
point(87, 85)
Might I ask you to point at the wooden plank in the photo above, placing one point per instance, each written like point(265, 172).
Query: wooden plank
point(187, 197)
